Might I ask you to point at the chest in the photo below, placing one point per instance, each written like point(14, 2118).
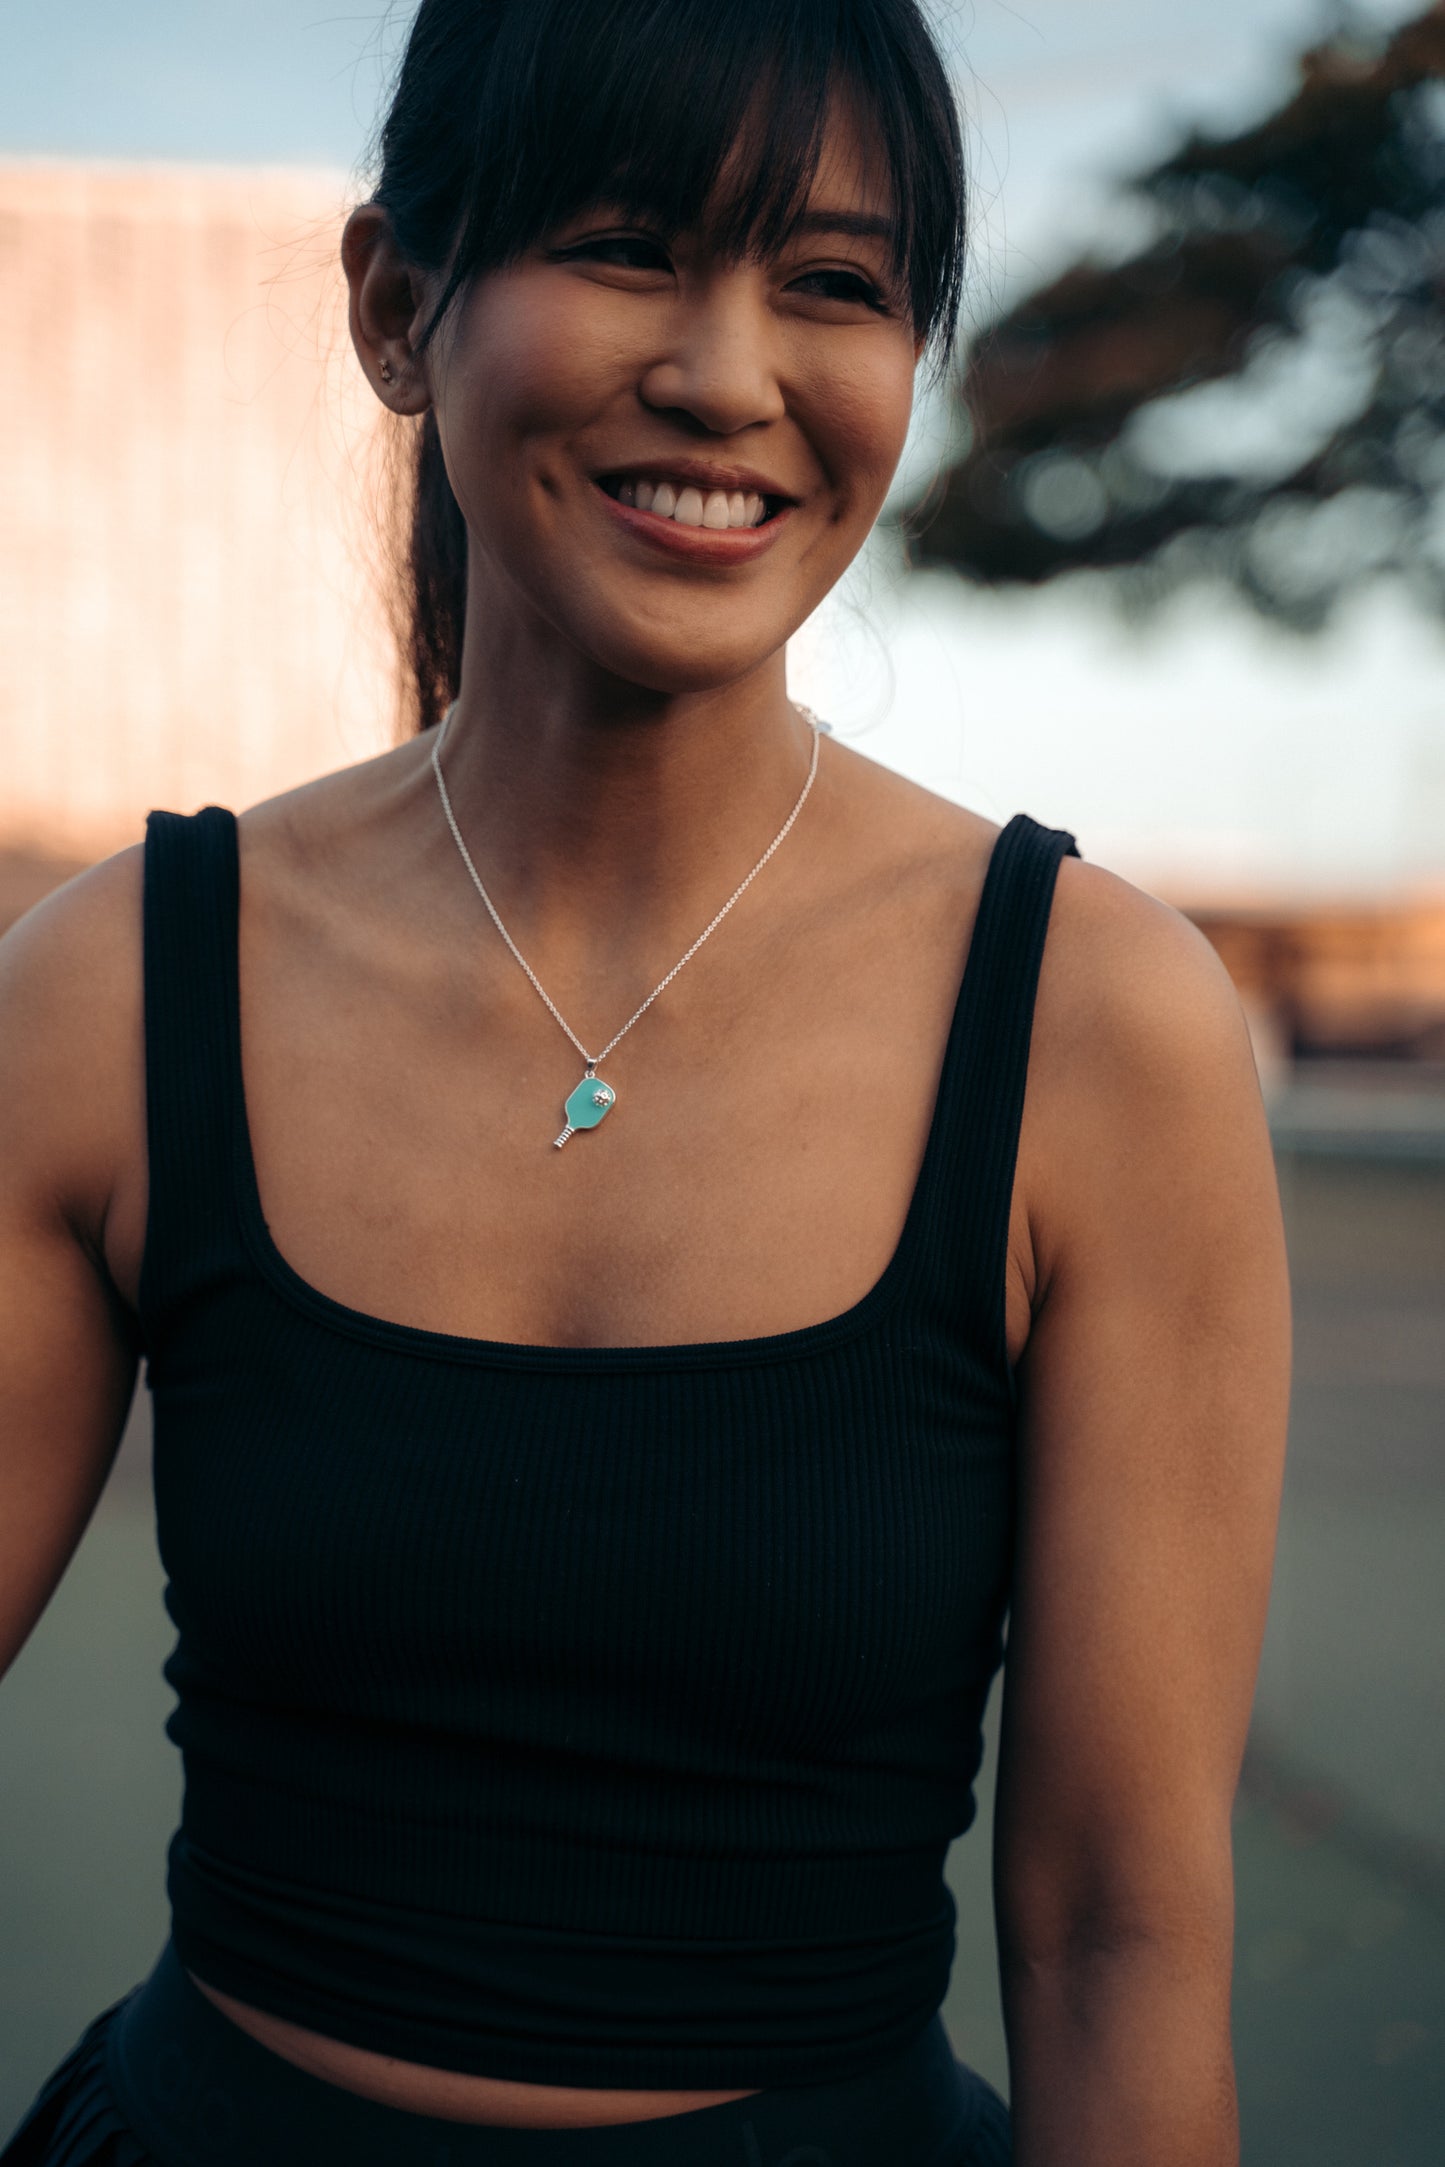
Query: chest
point(778, 1553)
point(753, 1176)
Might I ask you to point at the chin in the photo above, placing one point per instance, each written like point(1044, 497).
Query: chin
point(685, 658)
point(678, 674)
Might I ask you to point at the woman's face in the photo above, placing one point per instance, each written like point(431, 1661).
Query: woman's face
point(667, 457)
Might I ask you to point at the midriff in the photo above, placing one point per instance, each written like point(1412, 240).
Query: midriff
point(452, 2094)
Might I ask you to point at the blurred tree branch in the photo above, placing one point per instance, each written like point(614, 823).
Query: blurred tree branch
point(1261, 391)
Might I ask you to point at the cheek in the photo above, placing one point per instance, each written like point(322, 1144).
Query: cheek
point(857, 416)
point(524, 368)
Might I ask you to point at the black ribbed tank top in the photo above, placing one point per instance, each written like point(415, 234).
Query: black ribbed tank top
point(584, 1716)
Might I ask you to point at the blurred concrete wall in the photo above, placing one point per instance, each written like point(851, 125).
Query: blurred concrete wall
point(188, 485)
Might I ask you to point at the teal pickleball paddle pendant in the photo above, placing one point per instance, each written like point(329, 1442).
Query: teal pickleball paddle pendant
point(591, 1102)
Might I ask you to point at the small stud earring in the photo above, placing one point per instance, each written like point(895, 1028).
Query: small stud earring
point(388, 373)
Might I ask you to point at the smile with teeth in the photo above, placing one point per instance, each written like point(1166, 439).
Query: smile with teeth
point(690, 506)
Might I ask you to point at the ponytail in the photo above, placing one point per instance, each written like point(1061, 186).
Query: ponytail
point(434, 577)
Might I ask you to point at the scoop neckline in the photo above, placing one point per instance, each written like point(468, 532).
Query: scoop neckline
point(430, 1344)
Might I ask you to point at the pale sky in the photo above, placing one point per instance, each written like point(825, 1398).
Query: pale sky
point(1211, 750)
point(1059, 91)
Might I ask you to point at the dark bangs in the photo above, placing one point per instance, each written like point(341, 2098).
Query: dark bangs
point(512, 115)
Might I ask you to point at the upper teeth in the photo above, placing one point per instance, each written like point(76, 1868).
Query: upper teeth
point(690, 508)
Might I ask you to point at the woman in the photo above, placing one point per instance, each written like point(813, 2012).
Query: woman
point(596, 1449)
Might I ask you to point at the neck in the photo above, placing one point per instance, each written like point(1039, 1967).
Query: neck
point(589, 804)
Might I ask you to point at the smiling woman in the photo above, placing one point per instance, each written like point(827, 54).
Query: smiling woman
point(590, 1567)
point(648, 154)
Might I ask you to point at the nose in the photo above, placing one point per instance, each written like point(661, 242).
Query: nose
point(717, 366)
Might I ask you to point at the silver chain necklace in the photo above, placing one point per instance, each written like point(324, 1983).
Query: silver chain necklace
point(594, 1098)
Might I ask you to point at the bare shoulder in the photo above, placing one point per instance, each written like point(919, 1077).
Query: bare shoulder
point(1129, 970)
point(1141, 1067)
point(72, 1017)
point(72, 1080)
point(296, 823)
point(903, 832)
point(1141, 1061)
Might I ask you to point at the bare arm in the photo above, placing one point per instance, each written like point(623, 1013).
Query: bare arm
point(70, 1072)
point(1153, 1411)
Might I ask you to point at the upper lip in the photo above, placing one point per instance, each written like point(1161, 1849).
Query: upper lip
point(705, 474)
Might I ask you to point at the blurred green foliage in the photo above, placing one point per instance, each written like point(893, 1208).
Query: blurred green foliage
point(1259, 392)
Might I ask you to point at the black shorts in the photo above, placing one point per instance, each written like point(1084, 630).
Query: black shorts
point(163, 2079)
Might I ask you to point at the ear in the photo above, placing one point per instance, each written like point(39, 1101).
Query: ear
point(387, 302)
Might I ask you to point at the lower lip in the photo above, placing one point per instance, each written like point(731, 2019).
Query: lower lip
point(698, 545)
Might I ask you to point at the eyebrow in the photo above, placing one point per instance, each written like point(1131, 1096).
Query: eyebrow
point(862, 225)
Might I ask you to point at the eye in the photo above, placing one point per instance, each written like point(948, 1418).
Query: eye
point(843, 286)
point(629, 251)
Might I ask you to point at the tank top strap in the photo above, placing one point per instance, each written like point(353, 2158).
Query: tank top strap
point(190, 924)
point(981, 1091)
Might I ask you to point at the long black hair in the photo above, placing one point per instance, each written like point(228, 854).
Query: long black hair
point(511, 115)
